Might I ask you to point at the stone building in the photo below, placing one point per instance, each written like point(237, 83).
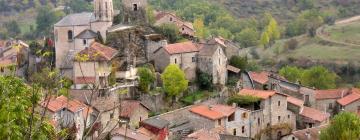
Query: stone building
point(183, 54)
point(133, 112)
point(185, 28)
point(134, 12)
point(351, 102)
point(230, 48)
point(93, 66)
point(310, 117)
point(326, 99)
point(260, 80)
point(65, 31)
point(212, 60)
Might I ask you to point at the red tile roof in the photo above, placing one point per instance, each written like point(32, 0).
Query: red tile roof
point(128, 107)
point(85, 80)
point(330, 94)
point(349, 99)
point(262, 77)
point(129, 134)
point(314, 114)
point(183, 47)
point(263, 94)
point(203, 134)
point(98, 52)
point(63, 102)
point(295, 101)
point(213, 112)
point(313, 132)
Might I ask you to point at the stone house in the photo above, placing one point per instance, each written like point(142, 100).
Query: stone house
point(64, 112)
point(306, 134)
point(152, 43)
point(133, 112)
point(310, 117)
point(108, 112)
point(212, 60)
point(185, 28)
point(229, 47)
point(134, 12)
point(260, 80)
point(183, 54)
point(93, 66)
point(351, 102)
point(65, 31)
point(14, 57)
point(326, 99)
point(270, 112)
point(155, 127)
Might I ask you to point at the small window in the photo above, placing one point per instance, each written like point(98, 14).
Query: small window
point(258, 120)
point(231, 117)
point(279, 134)
point(234, 132)
point(135, 6)
point(171, 19)
point(111, 115)
point(279, 118)
point(330, 106)
point(288, 116)
point(244, 115)
point(175, 61)
point(70, 35)
point(1, 69)
point(279, 103)
point(193, 59)
point(219, 122)
point(183, 29)
point(293, 138)
point(243, 129)
point(84, 41)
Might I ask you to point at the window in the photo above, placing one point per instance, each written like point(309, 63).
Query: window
point(111, 115)
point(288, 116)
point(279, 134)
point(84, 41)
point(279, 118)
point(183, 29)
point(175, 60)
point(219, 122)
point(330, 106)
point(1, 69)
point(219, 61)
point(234, 132)
point(279, 103)
point(258, 120)
point(70, 35)
point(171, 19)
point(135, 7)
point(307, 99)
point(244, 115)
point(193, 59)
point(243, 129)
point(231, 117)
point(293, 138)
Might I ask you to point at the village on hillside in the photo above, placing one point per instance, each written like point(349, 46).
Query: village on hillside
point(105, 76)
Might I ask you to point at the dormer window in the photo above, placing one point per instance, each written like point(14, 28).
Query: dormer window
point(135, 7)
point(70, 35)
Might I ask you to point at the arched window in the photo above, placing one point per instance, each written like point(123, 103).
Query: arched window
point(70, 35)
point(135, 6)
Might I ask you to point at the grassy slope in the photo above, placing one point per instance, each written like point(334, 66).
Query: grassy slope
point(349, 33)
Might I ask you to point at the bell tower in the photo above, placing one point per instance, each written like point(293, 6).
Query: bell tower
point(103, 10)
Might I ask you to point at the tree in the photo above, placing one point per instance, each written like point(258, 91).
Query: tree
point(146, 78)
point(293, 74)
point(239, 62)
point(170, 31)
point(319, 77)
point(243, 100)
point(150, 14)
point(12, 28)
point(174, 81)
point(247, 37)
point(265, 39)
point(78, 6)
point(204, 80)
point(344, 126)
point(17, 115)
point(199, 28)
point(273, 30)
point(45, 19)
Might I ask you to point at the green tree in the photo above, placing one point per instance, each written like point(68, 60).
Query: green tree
point(45, 19)
point(199, 28)
point(344, 126)
point(78, 6)
point(247, 37)
point(12, 28)
point(319, 77)
point(204, 80)
point(147, 77)
point(174, 81)
point(293, 74)
point(17, 115)
point(239, 62)
point(273, 30)
point(150, 14)
point(170, 31)
point(265, 39)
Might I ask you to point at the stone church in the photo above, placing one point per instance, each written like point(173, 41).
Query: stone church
point(75, 32)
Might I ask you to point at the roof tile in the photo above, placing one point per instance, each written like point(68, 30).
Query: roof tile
point(184, 47)
point(262, 77)
point(314, 114)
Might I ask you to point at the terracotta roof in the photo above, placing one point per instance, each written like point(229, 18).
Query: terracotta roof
point(233, 69)
point(312, 132)
point(128, 107)
point(213, 112)
point(129, 134)
point(184, 47)
point(63, 102)
point(98, 52)
point(203, 134)
point(295, 101)
point(263, 94)
point(262, 77)
point(85, 80)
point(314, 114)
point(349, 99)
point(330, 94)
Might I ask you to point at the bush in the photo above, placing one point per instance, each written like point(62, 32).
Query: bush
point(243, 100)
point(239, 62)
point(292, 44)
point(204, 80)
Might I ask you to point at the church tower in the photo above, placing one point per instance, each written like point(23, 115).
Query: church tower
point(103, 10)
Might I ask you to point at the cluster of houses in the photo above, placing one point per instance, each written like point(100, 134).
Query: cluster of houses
point(284, 110)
